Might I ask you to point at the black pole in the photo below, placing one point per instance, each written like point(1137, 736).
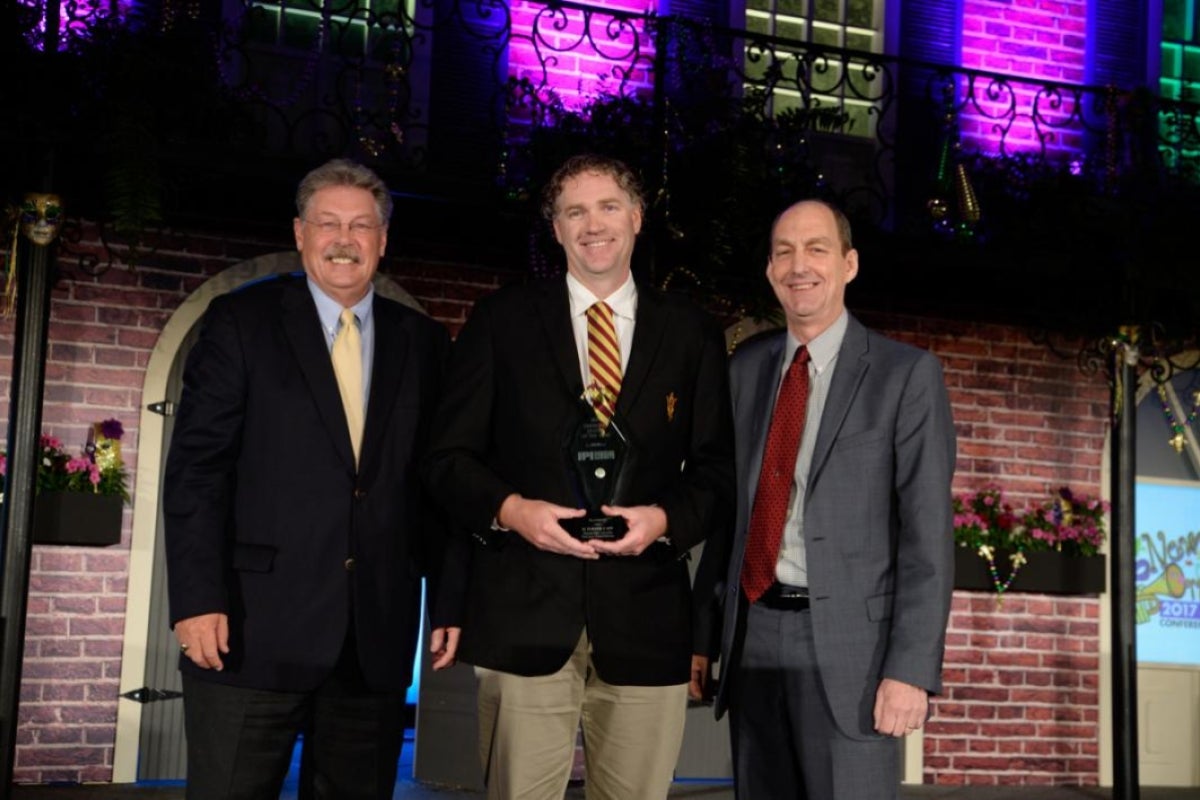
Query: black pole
point(1121, 559)
point(34, 281)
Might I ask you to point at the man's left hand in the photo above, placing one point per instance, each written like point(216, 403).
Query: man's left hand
point(900, 708)
point(698, 686)
point(645, 525)
point(443, 644)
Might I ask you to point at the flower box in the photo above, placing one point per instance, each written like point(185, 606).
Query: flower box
point(79, 518)
point(1045, 572)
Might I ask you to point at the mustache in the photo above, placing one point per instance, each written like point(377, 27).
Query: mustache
point(342, 251)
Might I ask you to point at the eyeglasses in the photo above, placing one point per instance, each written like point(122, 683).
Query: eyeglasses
point(331, 227)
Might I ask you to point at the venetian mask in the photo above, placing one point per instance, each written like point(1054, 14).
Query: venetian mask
point(41, 216)
point(105, 446)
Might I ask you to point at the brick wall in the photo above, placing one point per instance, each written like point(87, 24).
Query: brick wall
point(1021, 679)
point(1038, 39)
point(584, 56)
point(1020, 705)
point(101, 333)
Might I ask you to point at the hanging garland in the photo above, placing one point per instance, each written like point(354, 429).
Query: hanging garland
point(1178, 438)
point(1018, 560)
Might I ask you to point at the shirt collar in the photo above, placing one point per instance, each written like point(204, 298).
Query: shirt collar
point(330, 310)
point(623, 301)
point(823, 348)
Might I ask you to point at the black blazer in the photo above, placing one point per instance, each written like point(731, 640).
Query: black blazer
point(264, 509)
point(512, 397)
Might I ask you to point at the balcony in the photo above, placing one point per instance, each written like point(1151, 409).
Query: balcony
point(972, 192)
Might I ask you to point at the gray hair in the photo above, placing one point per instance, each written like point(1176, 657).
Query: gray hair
point(344, 172)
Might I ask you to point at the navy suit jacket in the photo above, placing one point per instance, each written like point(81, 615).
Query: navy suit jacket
point(264, 508)
point(512, 399)
point(878, 518)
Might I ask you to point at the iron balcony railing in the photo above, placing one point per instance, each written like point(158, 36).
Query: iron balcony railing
point(452, 95)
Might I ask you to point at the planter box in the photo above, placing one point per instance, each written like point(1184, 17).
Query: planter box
point(77, 518)
point(1042, 573)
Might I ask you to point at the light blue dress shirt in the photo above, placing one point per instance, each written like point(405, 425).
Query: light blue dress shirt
point(330, 312)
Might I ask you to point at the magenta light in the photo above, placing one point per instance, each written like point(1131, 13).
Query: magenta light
point(1042, 40)
point(586, 55)
point(76, 18)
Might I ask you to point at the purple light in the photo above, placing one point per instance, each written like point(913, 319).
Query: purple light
point(1024, 41)
point(586, 55)
point(73, 19)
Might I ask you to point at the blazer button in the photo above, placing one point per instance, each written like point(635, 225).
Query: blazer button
point(349, 565)
point(359, 494)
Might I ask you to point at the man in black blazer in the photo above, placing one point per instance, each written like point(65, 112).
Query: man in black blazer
point(563, 629)
point(296, 527)
point(833, 657)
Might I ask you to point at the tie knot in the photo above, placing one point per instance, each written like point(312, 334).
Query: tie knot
point(348, 317)
point(600, 310)
point(802, 356)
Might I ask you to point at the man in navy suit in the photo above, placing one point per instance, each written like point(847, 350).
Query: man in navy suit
point(297, 528)
point(564, 631)
point(836, 653)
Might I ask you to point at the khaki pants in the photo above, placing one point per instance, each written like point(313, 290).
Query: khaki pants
point(527, 728)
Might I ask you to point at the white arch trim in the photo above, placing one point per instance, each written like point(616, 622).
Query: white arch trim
point(149, 479)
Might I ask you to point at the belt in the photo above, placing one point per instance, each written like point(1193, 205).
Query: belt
point(781, 597)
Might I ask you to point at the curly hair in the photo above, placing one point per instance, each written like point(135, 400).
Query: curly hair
point(574, 166)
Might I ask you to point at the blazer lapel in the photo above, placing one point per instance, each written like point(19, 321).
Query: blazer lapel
point(387, 367)
point(303, 330)
point(648, 330)
point(554, 307)
point(851, 366)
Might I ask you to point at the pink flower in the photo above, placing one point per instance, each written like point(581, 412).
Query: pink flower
point(76, 464)
point(94, 474)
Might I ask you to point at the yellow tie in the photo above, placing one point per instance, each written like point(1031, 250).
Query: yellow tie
point(347, 366)
point(604, 361)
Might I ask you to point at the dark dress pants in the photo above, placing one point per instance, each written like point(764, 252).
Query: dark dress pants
point(240, 741)
point(786, 745)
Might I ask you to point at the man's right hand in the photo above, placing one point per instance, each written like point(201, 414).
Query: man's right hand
point(204, 639)
point(537, 522)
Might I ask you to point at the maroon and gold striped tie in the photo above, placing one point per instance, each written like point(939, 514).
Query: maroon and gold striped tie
point(604, 361)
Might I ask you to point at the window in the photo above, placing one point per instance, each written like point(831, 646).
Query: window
point(842, 83)
point(341, 27)
point(1180, 70)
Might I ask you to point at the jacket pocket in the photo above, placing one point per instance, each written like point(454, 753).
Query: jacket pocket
point(879, 607)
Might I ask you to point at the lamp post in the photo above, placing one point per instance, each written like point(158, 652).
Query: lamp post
point(1123, 353)
point(32, 254)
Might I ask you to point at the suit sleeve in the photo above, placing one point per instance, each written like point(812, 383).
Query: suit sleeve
point(925, 458)
point(200, 472)
point(696, 502)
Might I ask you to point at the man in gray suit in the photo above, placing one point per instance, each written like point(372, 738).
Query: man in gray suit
point(839, 581)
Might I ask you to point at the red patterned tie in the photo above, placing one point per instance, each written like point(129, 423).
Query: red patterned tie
point(604, 361)
point(775, 479)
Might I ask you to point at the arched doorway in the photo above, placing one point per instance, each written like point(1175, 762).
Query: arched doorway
point(149, 653)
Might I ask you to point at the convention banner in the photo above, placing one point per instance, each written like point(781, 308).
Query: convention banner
point(1167, 572)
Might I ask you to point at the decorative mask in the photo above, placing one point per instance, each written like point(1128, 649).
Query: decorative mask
point(41, 217)
point(104, 444)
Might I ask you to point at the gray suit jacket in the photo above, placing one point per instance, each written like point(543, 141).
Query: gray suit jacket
point(878, 521)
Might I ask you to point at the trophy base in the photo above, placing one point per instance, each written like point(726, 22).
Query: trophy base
point(605, 529)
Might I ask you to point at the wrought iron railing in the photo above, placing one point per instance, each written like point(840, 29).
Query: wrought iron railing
point(471, 95)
